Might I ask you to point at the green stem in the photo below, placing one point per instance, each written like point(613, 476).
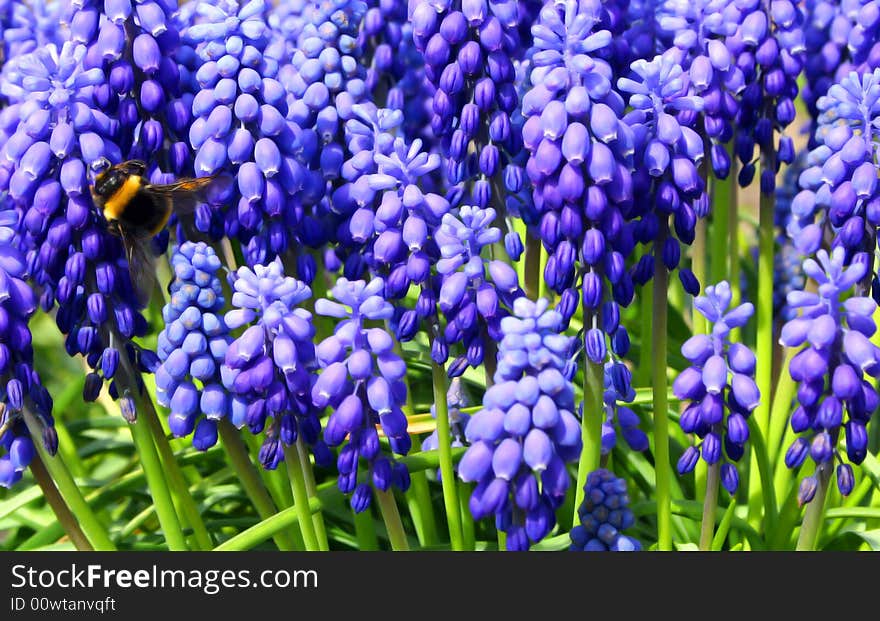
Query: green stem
point(251, 481)
point(467, 521)
point(724, 526)
point(781, 408)
point(765, 475)
point(69, 490)
point(62, 512)
point(710, 504)
point(391, 516)
point(311, 490)
point(447, 474)
point(532, 267)
point(720, 224)
point(813, 517)
point(417, 497)
point(764, 340)
point(698, 257)
point(365, 530)
point(300, 497)
point(646, 325)
point(591, 429)
point(179, 488)
point(257, 534)
point(660, 384)
point(143, 440)
point(420, 495)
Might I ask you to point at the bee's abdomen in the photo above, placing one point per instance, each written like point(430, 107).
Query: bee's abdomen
point(146, 213)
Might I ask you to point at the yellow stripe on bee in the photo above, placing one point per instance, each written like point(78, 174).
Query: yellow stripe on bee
point(115, 205)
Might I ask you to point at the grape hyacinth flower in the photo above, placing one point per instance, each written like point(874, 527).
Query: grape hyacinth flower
point(666, 181)
point(769, 49)
point(720, 386)
point(26, 26)
point(580, 157)
point(699, 29)
point(20, 386)
point(473, 304)
point(192, 347)
point(269, 369)
point(362, 382)
point(840, 186)
point(325, 77)
point(526, 432)
point(840, 36)
point(832, 369)
point(604, 513)
point(395, 73)
point(56, 128)
point(469, 48)
point(242, 132)
point(392, 220)
point(135, 44)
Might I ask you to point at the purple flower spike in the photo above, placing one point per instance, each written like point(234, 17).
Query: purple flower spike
point(269, 369)
point(21, 383)
point(527, 429)
point(361, 380)
point(833, 329)
point(193, 345)
point(603, 515)
point(720, 385)
point(580, 161)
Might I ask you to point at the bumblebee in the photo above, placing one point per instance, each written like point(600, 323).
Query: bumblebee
point(137, 210)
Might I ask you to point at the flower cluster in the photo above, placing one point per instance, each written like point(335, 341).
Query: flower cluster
point(20, 386)
point(839, 36)
point(362, 382)
point(831, 368)
point(604, 513)
point(473, 304)
point(241, 129)
point(700, 29)
point(580, 158)
point(768, 48)
point(269, 368)
point(840, 186)
point(392, 220)
point(720, 386)
point(24, 27)
point(526, 431)
point(666, 181)
point(53, 127)
point(469, 48)
point(192, 346)
point(395, 74)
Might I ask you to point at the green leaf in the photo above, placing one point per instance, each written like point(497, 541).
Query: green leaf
point(851, 539)
point(22, 498)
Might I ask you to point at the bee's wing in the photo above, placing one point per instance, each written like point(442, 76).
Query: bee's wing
point(141, 266)
point(184, 195)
